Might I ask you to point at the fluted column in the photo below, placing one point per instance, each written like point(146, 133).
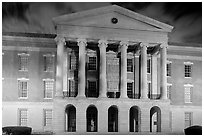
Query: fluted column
point(102, 44)
point(154, 74)
point(124, 46)
point(163, 85)
point(59, 70)
point(144, 92)
point(82, 62)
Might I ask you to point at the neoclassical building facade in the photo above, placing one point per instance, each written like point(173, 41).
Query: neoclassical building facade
point(105, 71)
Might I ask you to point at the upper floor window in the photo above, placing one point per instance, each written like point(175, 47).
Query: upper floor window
point(168, 69)
point(92, 89)
point(48, 88)
point(23, 61)
point(23, 88)
point(188, 69)
point(72, 88)
point(169, 86)
point(188, 119)
point(129, 65)
point(130, 89)
point(73, 62)
point(47, 117)
point(23, 118)
point(48, 62)
point(149, 65)
point(92, 63)
point(149, 87)
point(188, 93)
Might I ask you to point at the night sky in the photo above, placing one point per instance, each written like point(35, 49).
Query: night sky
point(186, 17)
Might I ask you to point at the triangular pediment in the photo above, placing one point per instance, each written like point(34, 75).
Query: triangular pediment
point(102, 17)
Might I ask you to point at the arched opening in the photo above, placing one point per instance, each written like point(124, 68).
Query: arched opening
point(155, 119)
point(92, 119)
point(134, 119)
point(70, 114)
point(113, 119)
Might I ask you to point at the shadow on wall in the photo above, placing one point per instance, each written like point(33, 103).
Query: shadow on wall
point(193, 130)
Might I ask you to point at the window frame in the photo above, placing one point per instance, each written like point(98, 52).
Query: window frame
point(45, 118)
point(190, 120)
point(94, 56)
point(20, 116)
point(169, 93)
point(44, 87)
point(20, 90)
point(186, 73)
point(149, 67)
point(169, 68)
point(130, 66)
point(73, 62)
point(24, 67)
point(188, 96)
point(48, 58)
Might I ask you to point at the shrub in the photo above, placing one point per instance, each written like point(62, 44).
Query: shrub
point(17, 130)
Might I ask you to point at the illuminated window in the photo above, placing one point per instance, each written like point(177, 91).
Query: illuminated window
point(48, 117)
point(23, 117)
point(92, 63)
point(188, 119)
point(129, 65)
point(48, 63)
point(23, 61)
point(48, 88)
point(23, 88)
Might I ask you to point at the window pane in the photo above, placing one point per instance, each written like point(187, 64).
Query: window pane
point(149, 66)
point(187, 70)
point(168, 67)
point(188, 119)
point(188, 94)
point(92, 63)
point(23, 62)
point(48, 63)
point(23, 89)
point(129, 65)
point(48, 88)
point(48, 118)
point(23, 117)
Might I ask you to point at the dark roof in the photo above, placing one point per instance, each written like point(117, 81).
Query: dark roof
point(36, 35)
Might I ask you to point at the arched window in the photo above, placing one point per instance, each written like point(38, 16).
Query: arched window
point(155, 119)
point(134, 119)
point(113, 119)
point(70, 113)
point(92, 119)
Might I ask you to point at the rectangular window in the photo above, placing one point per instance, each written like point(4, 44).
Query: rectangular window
point(48, 63)
point(130, 89)
point(23, 88)
point(23, 61)
point(48, 117)
point(188, 119)
point(188, 94)
point(188, 70)
point(148, 65)
point(92, 63)
point(92, 86)
point(168, 67)
point(23, 118)
point(73, 62)
point(48, 88)
point(129, 65)
point(149, 87)
point(169, 86)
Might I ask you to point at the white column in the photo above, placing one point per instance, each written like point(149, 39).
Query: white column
point(123, 91)
point(154, 74)
point(82, 62)
point(65, 71)
point(144, 92)
point(59, 71)
point(163, 85)
point(103, 84)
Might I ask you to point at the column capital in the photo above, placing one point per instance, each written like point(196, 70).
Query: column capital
point(163, 45)
point(124, 43)
point(102, 43)
point(81, 42)
point(60, 39)
point(144, 44)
